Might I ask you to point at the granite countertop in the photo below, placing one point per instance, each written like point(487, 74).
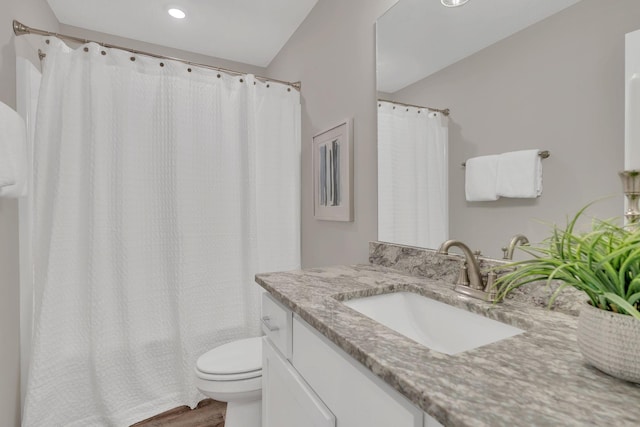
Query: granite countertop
point(535, 378)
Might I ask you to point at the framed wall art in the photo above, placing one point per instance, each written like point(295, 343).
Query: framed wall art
point(332, 157)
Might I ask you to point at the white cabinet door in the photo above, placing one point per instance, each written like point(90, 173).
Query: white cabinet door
point(429, 421)
point(287, 401)
point(355, 395)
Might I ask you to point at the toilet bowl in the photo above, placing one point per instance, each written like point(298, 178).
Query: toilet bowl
point(232, 373)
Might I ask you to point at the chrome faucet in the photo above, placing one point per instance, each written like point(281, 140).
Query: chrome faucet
point(473, 268)
point(470, 280)
point(518, 238)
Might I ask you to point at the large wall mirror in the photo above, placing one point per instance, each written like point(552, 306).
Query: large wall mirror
point(515, 75)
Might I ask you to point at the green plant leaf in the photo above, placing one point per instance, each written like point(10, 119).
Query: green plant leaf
point(603, 262)
point(621, 303)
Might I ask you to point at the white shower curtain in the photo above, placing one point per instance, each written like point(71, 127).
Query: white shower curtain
point(160, 189)
point(412, 176)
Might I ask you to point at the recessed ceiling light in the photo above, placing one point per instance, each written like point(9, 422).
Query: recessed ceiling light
point(453, 3)
point(176, 13)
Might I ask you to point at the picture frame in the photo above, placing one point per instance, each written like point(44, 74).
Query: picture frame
point(332, 159)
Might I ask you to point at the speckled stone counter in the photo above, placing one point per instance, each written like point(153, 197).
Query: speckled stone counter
point(427, 263)
point(537, 378)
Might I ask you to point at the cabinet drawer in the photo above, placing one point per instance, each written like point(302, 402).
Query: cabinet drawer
point(277, 324)
point(287, 400)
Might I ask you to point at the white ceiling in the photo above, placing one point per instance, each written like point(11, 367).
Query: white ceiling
point(248, 31)
point(416, 38)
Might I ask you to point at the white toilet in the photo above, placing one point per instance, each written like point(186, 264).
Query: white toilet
point(232, 373)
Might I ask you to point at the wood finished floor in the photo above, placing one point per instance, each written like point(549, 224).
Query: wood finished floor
point(208, 413)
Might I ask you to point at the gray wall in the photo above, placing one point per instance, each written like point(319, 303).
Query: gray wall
point(333, 54)
point(34, 13)
point(557, 85)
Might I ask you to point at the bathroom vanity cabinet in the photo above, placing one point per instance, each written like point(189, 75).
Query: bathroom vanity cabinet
point(308, 381)
point(366, 374)
point(287, 400)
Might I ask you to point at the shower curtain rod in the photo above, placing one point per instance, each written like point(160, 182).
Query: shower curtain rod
point(437, 110)
point(20, 29)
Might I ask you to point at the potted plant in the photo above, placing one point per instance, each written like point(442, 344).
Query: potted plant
point(604, 263)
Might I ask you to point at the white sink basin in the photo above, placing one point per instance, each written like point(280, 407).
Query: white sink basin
point(435, 325)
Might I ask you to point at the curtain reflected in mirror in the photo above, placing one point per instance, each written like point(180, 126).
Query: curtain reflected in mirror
point(412, 175)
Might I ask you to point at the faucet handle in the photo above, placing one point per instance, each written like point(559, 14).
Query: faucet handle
point(491, 288)
point(505, 252)
point(477, 254)
point(463, 276)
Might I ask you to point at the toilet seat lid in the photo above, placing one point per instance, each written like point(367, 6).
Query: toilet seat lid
point(233, 358)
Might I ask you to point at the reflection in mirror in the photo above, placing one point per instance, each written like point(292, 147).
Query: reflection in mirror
point(531, 74)
point(412, 158)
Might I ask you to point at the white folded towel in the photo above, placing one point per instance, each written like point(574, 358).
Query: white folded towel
point(480, 178)
point(520, 174)
point(13, 153)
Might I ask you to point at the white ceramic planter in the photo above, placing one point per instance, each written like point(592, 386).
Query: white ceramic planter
point(610, 342)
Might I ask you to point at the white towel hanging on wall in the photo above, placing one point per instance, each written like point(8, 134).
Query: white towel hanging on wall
point(13, 153)
point(519, 174)
point(480, 179)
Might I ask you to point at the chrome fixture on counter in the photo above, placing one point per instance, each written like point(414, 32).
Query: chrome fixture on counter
point(631, 188)
point(508, 250)
point(470, 280)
